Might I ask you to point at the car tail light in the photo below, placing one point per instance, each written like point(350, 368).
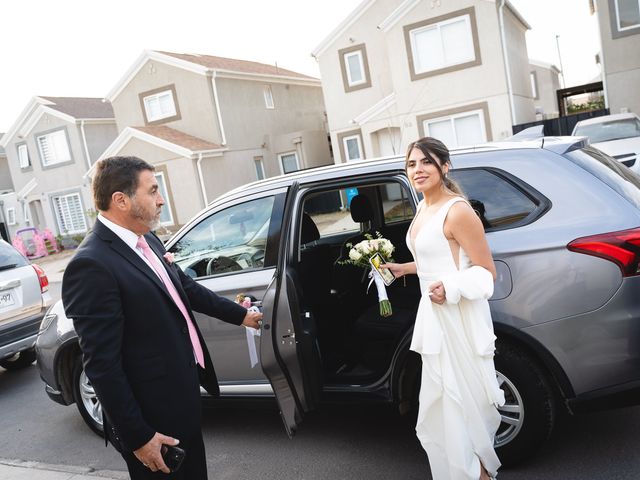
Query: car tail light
point(621, 248)
point(44, 281)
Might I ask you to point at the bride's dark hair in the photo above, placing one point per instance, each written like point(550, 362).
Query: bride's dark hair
point(435, 149)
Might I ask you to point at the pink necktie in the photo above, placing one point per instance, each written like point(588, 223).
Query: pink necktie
point(162, 273)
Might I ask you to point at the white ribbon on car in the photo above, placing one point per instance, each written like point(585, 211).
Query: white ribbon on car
point(252, 333)
point(380, 286)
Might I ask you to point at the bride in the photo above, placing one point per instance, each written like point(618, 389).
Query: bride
point(453, 333)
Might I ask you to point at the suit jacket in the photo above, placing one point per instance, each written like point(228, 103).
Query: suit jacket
point(136, 347)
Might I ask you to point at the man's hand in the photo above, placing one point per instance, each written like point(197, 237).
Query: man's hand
point(252, 319)
point(150, 455)
point(437, 293)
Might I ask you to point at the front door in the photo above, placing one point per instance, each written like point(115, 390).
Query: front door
point(288, 349)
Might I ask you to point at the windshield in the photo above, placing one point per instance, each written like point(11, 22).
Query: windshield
point(610, 171)
point(10, 257)
point(607, 131)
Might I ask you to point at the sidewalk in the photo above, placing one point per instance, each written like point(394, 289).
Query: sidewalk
point(21, 470)
point(54, 265)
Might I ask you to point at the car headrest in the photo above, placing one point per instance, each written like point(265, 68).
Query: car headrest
point(309, 231)
point(361, 210)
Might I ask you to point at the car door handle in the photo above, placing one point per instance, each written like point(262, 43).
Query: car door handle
point(10, 284)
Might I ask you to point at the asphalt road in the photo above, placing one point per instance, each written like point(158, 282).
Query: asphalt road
point(338, 442)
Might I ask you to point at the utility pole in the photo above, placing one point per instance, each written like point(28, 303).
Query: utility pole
point(560, 58)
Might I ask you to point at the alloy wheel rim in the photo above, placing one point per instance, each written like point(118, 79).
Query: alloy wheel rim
point(90, 399)
point(511, 413)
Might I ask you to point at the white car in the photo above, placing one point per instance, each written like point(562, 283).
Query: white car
point(616, 135)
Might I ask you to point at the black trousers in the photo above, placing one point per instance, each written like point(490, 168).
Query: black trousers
point(194, 466)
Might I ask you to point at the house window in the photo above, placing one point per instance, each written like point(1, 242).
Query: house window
point(53, 148)
point(25, 213)
point(352, 148)
point(268, 97)
point(442, 44)
point(259, 168)
point(69, 214)
point(534, 85)
point(160, 105)
point(23, 156)
point(627, 14)
point(11, 216)
point(355, 68)
point(166, 218)
point(289, 162)
point(466, 128)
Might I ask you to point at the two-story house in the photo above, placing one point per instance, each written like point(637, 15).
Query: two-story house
point(545, 82)
point(619, 25)
point(209, 124)
point(49, 149)
point(456, 70)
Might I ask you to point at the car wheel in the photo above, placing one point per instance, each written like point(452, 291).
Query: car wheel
point(19, 360)
point(529, 411)
point(86, 399)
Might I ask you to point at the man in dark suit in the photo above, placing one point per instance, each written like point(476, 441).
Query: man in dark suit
point(142, 349)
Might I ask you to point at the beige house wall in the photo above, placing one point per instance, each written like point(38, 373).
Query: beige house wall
point(482, 82)
point(99, 137)
point(5, 174)
point(548, 83)
point(621, 62)
point(193, 97)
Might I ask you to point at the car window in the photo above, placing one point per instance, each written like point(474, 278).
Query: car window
point(607, 131)
point(330, 210)
point(10, 257)
point(616, 175)
point(229, 240)
point(498, 202)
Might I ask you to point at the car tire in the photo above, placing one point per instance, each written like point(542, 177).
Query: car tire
point(529, 411)
point(86, 399)
point(20, 360)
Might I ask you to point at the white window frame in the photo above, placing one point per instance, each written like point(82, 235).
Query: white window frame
point(268, 97)
point(58, 219)
point(259, 164)
point(156, 97)
point(350, 81)
point(162, 187)
point(624, 29)
point(51, 156)
point(11, 216)
point(23, 156)
point(25, 213)
point(346, 149)
point(286, 154)
point(451, 118)
point(414, 47)
point(534, 85)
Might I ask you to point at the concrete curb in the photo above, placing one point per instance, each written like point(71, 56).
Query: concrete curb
point(15, 469)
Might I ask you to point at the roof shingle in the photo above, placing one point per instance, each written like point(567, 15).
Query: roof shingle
point(79, 107)
point(234, 65)
point(179, 138)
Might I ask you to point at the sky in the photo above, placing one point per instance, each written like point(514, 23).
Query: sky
point(82, 48)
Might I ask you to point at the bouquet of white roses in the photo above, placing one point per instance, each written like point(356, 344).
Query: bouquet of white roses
point(361, 253)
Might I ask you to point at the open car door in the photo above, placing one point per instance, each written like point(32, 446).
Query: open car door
point(288, 349)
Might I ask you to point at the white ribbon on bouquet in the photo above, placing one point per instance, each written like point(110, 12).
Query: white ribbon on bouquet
point(380, 286)
point(252, 333)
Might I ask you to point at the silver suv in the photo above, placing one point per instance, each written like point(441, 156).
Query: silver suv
point(23, 302)
point(562, 220)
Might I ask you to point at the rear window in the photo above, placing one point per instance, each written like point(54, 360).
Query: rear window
point(498, 201)
point(616, 175)
point(10, 257)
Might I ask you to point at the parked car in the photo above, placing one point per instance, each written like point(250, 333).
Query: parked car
point(616, 135)
point(561, 217)
point(24, 299)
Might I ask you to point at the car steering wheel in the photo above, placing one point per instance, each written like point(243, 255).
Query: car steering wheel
point(222, 265)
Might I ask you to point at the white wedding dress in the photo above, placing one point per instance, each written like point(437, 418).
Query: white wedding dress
point(459, 393)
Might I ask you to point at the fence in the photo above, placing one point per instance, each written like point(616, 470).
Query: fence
point(562, 125)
